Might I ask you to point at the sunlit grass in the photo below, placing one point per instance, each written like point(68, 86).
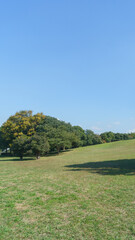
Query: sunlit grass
point(86, 193)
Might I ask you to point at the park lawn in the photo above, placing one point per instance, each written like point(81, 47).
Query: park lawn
point(85, 193)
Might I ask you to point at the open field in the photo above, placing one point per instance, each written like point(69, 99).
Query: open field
point(86, 193)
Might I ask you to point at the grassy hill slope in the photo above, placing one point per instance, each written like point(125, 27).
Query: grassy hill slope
point(86, 193)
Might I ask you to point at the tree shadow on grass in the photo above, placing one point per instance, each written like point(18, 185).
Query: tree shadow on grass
point(7, 159)
point(52, 154)
point(112, 167)
point(12, 159)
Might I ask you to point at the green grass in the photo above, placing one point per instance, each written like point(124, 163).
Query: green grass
point(86, 193)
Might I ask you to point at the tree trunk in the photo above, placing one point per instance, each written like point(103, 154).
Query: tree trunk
point(37, 157)
point(21, 157)
point(58, 150)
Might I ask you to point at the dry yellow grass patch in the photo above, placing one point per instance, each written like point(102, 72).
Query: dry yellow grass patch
point(29, 220)
point(21, 206)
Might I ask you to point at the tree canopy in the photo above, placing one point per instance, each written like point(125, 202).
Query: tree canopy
point(25, 133)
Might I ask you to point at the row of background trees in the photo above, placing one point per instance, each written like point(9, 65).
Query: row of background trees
point(36, 135)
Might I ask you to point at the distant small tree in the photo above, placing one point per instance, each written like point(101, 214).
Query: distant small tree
point(20, 146)
point(39, 145)
point(89, 137)
point(74, 140)
point(108, 137)
point(97, 139)
point(131, 135)
point(60, 140)
point(80, 133)
point(118, 136)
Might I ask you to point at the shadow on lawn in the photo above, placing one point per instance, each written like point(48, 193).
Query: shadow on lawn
point(11, 159)
point(112, 167)
point(52, 154)
point(6, 159)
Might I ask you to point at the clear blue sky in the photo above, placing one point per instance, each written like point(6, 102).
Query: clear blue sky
point(74, 60)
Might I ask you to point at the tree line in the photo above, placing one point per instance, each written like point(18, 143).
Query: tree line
point(37, 135)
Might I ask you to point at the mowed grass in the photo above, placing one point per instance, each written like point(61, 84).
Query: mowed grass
point(86, 193)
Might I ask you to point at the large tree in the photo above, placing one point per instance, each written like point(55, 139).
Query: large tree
point(39, 145)
point(20, 146)
point(22, 123)
point(3, 143)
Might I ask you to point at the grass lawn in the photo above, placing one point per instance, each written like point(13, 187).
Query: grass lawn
point(86, 193)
